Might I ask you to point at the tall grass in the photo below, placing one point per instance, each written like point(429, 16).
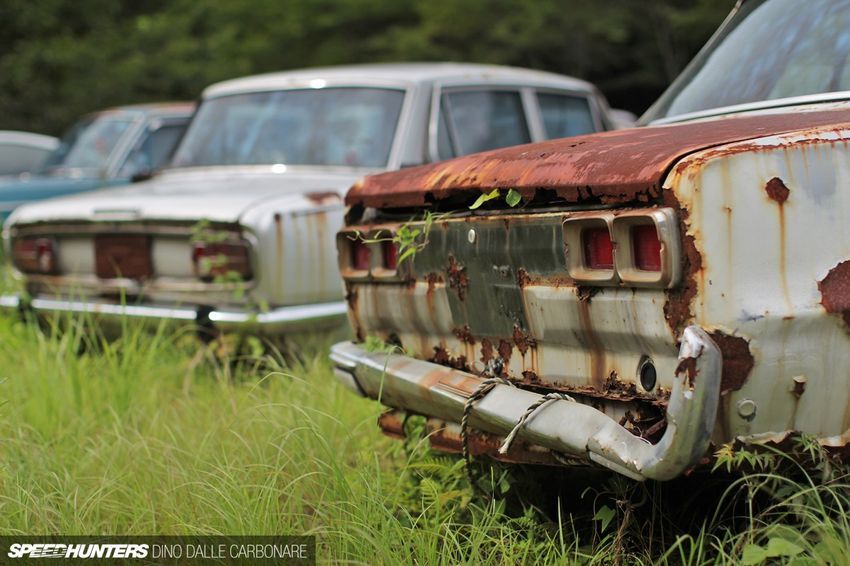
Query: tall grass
point(151, 434)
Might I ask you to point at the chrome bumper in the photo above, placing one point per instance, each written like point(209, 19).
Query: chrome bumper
point(565, 427)
point(278, 320)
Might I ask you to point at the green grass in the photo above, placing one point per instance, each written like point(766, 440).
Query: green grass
point(147, 434)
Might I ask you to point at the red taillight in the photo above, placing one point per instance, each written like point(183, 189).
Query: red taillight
point(214, 259)
point(646, 248)
point(598, 248)
point(390, 250)
point(34, 255)
point(361, 255)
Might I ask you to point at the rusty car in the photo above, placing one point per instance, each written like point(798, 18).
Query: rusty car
point(631, 300)
point(239, 232)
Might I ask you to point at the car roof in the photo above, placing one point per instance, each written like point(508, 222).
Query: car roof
point(29, 139)
point(164, 108)
point(400, 75)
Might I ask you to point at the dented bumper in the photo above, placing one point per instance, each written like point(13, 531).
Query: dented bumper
point(565, 427)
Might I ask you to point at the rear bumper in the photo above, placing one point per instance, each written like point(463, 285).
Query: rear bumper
point(276, 321)
point(568, 428)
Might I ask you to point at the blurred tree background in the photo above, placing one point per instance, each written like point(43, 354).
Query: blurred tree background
point(62, 58)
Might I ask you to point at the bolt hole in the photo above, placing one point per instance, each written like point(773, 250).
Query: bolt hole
point(648, 375)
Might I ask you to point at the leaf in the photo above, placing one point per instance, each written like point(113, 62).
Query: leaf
point(406, 254)
point(753, 554)
point(513, 198)
point(780, 547)
point(484, 198)
point(605, 515)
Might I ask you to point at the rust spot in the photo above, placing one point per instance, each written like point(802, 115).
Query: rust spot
point(688, 366)
point(322, 197)
point(737, 361)
point(486, 351)
point(522, 277)
point(585, 294)
point(464, 334)
point(391, 423)
point(522, 341)
point(457, 278)
point(616, 388)
point(776, 190)
point(677, 307)
point(505, 350)
point(483, 444)
point(351, 297)
point(799, 386)
point(835, 291)
point(441, 356)
point(530, 377)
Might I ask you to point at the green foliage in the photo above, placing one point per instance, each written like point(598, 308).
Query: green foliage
point(61, 59)
point(484, 197)
point(513, 198)
point(151, 433)
point(410, 237)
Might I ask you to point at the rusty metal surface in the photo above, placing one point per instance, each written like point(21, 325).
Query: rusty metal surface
point(835, 291)
point(593, 436)
point(609, 167)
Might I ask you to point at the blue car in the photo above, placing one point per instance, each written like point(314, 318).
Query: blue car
point(112, 147)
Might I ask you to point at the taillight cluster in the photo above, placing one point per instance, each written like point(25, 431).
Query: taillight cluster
point(220, 259)
point(638, 248)
point(368, 255)
point(35, 255)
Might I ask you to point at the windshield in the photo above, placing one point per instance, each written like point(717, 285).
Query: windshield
point(770, 49)
point(351, 127)
point(89, 143)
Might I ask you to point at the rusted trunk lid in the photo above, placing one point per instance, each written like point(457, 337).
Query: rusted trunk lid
point(610, 167)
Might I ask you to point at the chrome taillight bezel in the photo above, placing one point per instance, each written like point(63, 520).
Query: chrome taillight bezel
point(375, 239)
point(667, 228)
point(619, 224)
point(574, 248)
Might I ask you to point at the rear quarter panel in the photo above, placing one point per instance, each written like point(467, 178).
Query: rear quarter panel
point(771, 221)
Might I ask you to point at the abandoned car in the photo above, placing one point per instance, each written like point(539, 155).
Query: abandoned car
point(239, 232)
point(103, 149)
point(23, 153)
point(631, 299)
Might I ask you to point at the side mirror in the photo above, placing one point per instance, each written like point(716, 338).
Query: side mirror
point(140, 176)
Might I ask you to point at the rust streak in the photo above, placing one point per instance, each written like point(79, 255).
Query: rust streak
point(597, 355)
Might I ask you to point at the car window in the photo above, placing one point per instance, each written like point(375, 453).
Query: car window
point(153, 151)
point(349, 126)
point(478, 120)
point(770, 49)
point(96, 143)
point(15, 158)
point(565, 115)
